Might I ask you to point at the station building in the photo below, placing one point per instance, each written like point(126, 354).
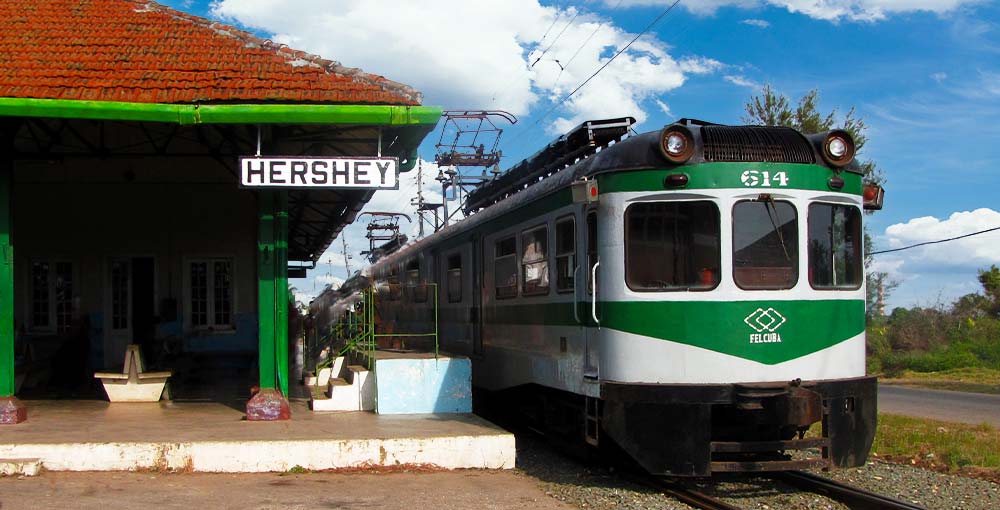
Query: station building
point(122, 215)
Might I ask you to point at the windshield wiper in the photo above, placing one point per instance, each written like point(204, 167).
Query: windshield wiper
point(769, 200)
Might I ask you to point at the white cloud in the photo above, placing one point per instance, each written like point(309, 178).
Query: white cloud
point(830, 10)
point(940, 273)
point(743, 81)
point(480, 54)
point(939, 77)
point(759, 23)
point(663, 108)
point(976, 251)
point(329, 279)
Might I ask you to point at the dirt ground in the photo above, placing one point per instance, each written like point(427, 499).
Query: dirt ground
point(405, 491)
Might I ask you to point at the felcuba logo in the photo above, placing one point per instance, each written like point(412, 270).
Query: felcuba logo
point(766, 324)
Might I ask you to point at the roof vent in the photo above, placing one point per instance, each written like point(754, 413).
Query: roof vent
point(755, 143)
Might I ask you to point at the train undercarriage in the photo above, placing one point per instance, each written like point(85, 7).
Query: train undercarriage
point(697, 430)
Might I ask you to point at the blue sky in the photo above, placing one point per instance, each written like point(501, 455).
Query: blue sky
point(924, 75)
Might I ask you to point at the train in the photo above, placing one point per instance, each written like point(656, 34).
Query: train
point(693, 296)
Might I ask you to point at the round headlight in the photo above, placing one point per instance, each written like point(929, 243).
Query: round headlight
point(838, 148)
point(676, 144)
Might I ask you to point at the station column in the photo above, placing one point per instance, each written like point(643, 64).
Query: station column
point(11, 410)
point(271, 402)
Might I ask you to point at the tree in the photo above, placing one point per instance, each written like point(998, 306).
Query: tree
point(990, 278)
point(773, 109)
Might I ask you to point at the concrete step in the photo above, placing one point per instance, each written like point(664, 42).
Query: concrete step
point(352, 391)
point(20, 467)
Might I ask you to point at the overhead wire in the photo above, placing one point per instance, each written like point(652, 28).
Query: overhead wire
point(598, 71)
point(935, 242)
point(554, 41)
point(585, 42)
point(545, 51)
point(540, 41)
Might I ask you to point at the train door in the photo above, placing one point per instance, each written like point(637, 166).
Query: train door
point(478, 261)
point(591, 293)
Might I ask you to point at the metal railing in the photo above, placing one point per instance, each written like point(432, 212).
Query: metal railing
point(356, 332)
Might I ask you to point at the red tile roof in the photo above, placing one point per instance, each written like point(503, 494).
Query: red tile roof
point(142, 52)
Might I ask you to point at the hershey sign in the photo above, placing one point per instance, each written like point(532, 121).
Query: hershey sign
point(300, 172)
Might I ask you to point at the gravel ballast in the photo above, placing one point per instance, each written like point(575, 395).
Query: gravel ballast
point(594, 485)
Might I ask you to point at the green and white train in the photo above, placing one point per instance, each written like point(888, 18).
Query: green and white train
point(696, 294)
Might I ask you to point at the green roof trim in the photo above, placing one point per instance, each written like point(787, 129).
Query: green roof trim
point(191, 114)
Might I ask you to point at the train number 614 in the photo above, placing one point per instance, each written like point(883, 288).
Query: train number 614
point(763, 178)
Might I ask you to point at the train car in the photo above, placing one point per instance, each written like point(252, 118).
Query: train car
point(695, 295)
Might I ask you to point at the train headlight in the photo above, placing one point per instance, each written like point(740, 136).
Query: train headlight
point(838, 148)
point(676, 144)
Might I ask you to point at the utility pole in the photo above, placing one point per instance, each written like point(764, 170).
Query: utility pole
point(347, 257)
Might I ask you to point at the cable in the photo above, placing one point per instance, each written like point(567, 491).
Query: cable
point(935, 242)
point(591, 36)
point(610, 60)
point(554, 41)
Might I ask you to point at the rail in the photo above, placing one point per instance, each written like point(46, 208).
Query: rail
point(854, 497)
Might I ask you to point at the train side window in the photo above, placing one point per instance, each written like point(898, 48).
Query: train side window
point(835, 247)
point(395, 289)
point(672, 246)
point(505, 267)
point(535, 262)
point(765, 244)
point(455, 278)
point(417, 290)
point(565, 254)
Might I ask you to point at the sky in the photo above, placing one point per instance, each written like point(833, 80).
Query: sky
point(924, 75)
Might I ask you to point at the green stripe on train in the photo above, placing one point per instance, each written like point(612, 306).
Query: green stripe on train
point(768, 332)
point(767, 177)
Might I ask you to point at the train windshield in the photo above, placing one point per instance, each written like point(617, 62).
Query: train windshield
point(672, 246)
point(835, 246)
point(765, 244)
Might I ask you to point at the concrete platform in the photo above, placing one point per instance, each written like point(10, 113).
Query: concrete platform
point(81, 435)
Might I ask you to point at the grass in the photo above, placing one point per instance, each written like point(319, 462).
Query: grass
point(970, 379)
point(939, 445)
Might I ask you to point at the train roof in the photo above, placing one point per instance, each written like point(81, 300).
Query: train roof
point(549, 173)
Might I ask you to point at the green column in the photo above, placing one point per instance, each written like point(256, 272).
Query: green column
point(281, 289)
point(265, 288)
point(272, 289)
point(6, 285)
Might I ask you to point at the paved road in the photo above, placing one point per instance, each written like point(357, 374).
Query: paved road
point(953, 406)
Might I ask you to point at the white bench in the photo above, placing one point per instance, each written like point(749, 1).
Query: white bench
point(133, 383)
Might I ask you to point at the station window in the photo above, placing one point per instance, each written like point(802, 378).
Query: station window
point(835, 240)
point(565, 254)
point(765, 244)
point(535, 262)
point(672, 246)
point(52, 287)
point(505, 267)
point(455, 278)
point(211, 293)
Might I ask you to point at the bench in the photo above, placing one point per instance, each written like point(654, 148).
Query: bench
point(133, 383)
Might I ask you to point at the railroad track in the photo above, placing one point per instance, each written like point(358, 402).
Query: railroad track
point(696, 498)
point(854, 497)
